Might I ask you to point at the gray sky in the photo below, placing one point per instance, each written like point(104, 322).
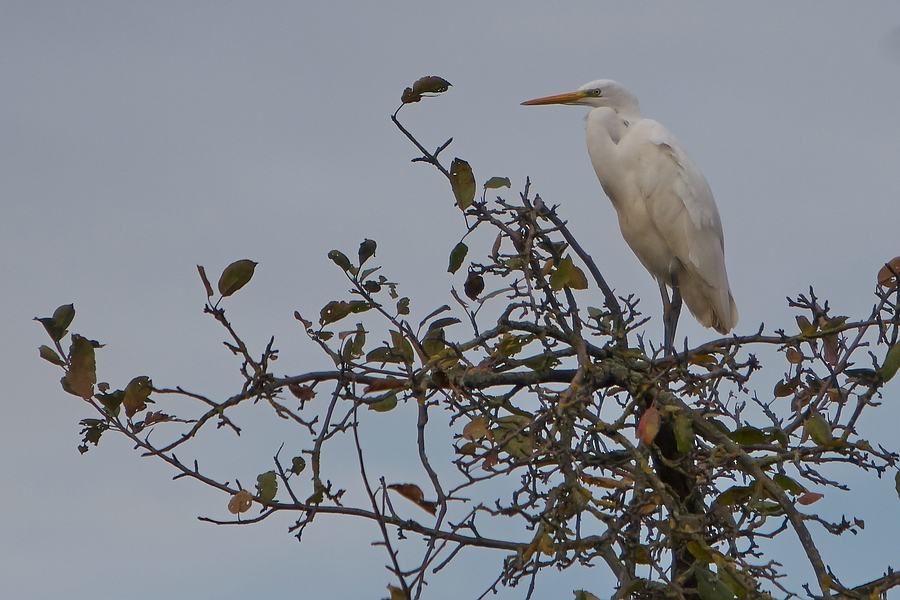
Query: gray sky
point(140, 139)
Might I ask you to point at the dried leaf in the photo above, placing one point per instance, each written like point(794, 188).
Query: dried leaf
point(240, 502)
point(886, 277)
point(379, 385)
point(808, 498)
point(414, 494)
point(82, 374)
point(794, 356)
point(303, 393)
point(648, 426)
point(206, 283)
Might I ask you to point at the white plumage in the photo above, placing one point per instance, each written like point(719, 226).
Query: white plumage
point(665, 207)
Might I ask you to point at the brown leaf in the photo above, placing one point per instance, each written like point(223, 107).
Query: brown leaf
point(82, 374)
point(414, 494)
point(794, 356)
point(206, 283)
point(886, 277)
point(391, 383)
point(648, 426)
point(301, 392)
point(809, 497)
point(156, 417)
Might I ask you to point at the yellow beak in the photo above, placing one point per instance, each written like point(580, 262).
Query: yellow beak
point(568, 98)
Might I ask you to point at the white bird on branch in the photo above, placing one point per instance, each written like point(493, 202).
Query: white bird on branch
point(666, 210)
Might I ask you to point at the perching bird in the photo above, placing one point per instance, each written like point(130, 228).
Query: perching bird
point(666, 210)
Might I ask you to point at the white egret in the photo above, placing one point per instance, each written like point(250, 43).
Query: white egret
point(666, 210)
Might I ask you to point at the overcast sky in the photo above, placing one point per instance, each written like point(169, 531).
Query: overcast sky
point(140, 139)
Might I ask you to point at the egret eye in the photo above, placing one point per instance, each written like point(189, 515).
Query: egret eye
point(596, 92)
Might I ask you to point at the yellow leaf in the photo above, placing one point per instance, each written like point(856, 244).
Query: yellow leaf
point(397, 593)
point(475, 429)
point(240, 502)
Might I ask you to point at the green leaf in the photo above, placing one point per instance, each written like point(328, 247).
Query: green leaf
point(383, 355)
point(403, 306)
point(341, 260)
point(353, 348)
point(334, 311)
point(788, 484)
point(891, 363)
point(206, 283)
point(82, 374)
point(384, 403)
point(266, 486)
point(497, 182)
point(93, 429)
point(136, 394)
point(366, 251)
point(748, 436)
point(818, 429)
point(709, 587)
point(441, 323)
point(474, 285)
point(734, 495)
point(457, 257)
point(806, 328)
point(425, 85)
point(235, 276)
point(567, 274)
point(298, 463)
point(700, 552)
point(112, 402)
point(684, 434)
point(401, 346)
point(50, 355)
point(583, 595)
point(462, 181)
point(786, 388)
point(57, 325)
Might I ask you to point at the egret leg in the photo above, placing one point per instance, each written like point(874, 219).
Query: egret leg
point(671, 312)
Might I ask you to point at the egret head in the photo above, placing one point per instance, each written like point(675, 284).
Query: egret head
point(597, 94)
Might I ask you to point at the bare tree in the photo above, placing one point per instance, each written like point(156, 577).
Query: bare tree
point(667, 469)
